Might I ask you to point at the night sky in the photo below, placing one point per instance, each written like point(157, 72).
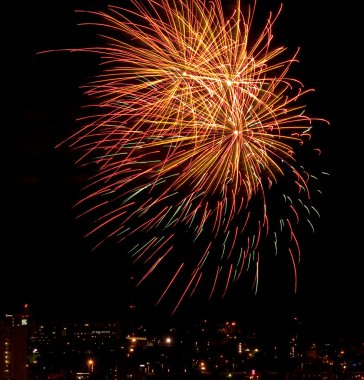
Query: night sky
point(45, 260)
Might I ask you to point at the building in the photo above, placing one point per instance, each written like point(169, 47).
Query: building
point(14, 346)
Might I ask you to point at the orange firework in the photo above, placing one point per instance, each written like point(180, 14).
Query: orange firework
point(195, 122)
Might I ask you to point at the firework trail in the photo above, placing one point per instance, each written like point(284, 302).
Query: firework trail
point(192, 125)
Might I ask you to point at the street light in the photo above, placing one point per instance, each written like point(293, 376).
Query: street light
point(90, 364)
point(168, 340)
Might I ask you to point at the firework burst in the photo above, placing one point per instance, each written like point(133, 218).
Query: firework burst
point(193, 123)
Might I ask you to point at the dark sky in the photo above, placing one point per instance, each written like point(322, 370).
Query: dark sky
point(46, 261)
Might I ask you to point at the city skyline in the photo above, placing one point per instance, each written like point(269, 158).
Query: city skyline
point(54, 267)
point(88, 349)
